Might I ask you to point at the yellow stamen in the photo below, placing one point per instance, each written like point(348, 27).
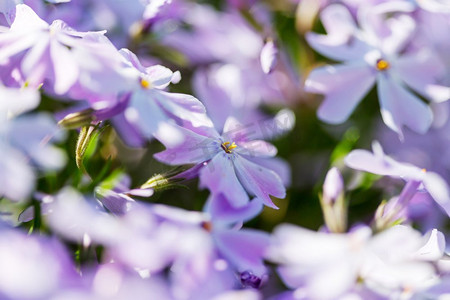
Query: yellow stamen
point(383, 65)
point(424, 170)
point(145, 84)
point(227, 147)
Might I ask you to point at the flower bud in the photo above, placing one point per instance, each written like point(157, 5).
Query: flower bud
point(333, 187)
point(268, 57)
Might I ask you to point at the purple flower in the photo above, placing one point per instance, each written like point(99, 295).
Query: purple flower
point(151, 110)
point(60, 55)
point(375, 52)
point(24, 258)
point(233, 165)
point(381, 164)
point(397, 261)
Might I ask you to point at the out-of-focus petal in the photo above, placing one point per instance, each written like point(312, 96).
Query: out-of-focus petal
point(159, 76)
point(344, 86)
point(64, 66)
point(244, 248)
point(400, 107)
point(221, 210)
point(26, 20)
point(438, 189)
point(340, 43)
point(420, 71)
point(16, 176)
point(434, 247)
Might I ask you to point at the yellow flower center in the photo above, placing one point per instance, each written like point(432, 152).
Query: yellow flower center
point(227, 147)
point(382, 65)
point(146, 84)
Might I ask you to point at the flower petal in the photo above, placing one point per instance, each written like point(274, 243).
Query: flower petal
point(400, 107)
point(259, 180)
point(65, 68)
point(219, 176)
point(420, 72)
point(221, 210)
point(344, 86)
point(244, 248)
point(340, 42)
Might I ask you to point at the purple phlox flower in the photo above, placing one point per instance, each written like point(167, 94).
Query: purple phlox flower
point(151, 238)
point(381, 164)
point(241, 248)
point(397, 261)
point(244, 248)
point(24, 258)
point(228, 164)
point(60, 55)
point(373, 53)
point(152, 110)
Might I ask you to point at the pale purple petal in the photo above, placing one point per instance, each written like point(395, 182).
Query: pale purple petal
point(438, 189)
point(65, 68)
point(195, 149)
point(159, 76)
point(219, 177)
point(381, 164)
point(259, 180)
point(12, 44)
point(340, 43)
point(276, 164)
point(16, 175)
point(420, 71)
point(244, 248)
point(24, 100)
point(344, 86)
point(26, 20)
point(35, 62)
point(221, 210)
point(434, 246)
point(183, 106)
point(257, 148)
point(400, 107)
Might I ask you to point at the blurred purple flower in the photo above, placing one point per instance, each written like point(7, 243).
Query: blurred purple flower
point(25, 258)
point(25, 142)
point(60, 55)
point(381, 164)
point(375, 52)
point(397, 261)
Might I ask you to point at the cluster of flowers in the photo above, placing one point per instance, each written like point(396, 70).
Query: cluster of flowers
point(100, 237)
